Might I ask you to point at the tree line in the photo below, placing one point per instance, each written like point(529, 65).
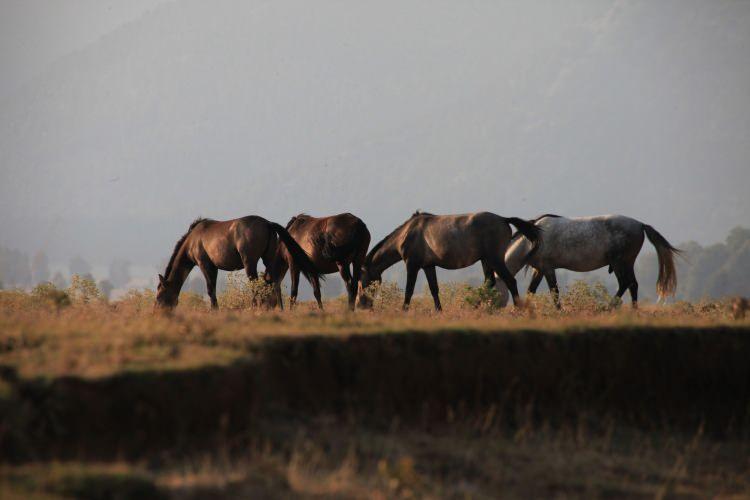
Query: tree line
point(714, 271)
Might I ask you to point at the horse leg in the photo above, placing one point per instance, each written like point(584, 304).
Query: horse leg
point(277, 294)
point(272, 272)
point(489, 274)
point(210, 272)
point(552, 284)
point(356, 272)
point(316, 292)
point(633, 287)
point(294, 275)
point(347, 277)
point(509, 281)
point(433, 282)
point(536, 278)
point(411, 280)
point(251, 270)
point(623, 278)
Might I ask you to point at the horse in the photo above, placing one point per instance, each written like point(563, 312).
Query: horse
point(333, 243)
point(230, 246)
point(587, 243)
point(426, 241)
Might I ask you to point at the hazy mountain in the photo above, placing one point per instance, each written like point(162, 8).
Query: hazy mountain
point(230, 108)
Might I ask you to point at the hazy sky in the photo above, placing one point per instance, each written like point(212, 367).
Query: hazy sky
point(120, 121)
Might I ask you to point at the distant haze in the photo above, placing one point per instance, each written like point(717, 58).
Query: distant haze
point(120, 122)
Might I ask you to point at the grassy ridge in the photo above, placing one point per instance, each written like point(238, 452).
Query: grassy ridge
point(107, 400)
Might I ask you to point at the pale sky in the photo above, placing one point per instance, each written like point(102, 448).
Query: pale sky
point(120, 122)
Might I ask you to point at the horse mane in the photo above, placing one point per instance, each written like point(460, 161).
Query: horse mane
point(298, 217)
point(546, 215)
point(179, 244)
point(378, 245)
point(517, 234)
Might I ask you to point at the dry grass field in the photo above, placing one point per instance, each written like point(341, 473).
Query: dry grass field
point(109, 400)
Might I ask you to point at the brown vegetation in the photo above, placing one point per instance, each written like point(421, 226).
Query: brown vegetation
point(583, 401)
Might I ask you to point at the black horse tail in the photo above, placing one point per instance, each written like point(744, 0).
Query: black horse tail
point(299, 257)
point(666, 283)
point(330, 251)
point(530, 231)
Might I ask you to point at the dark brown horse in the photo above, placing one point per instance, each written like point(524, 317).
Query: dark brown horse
point(426, 241)
point(228, 245)
point(333, 244)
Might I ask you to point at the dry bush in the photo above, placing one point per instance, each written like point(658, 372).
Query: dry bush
point(543, 305)
point(740, 305)
point(192, 301)
point(49, 296)
point(83, 290)
point(385, 295)
point(588, 298)
point(15, 300)
point(137, 301)
point(484, 297)
point(44, 296)
point(242, 293)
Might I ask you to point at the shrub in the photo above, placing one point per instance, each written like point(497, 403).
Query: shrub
point(542, 304)
point(583, 297)
point(242, 293)
point(193, 301)
point(137, 300)
point(452, 295)
point(385, 295)
point(484, 297)
point(83, 290)
point(48, 295)
point(14, 300)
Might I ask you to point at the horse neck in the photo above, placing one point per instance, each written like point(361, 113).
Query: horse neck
point(386, 256)
point(181, 268)
point(516, 255)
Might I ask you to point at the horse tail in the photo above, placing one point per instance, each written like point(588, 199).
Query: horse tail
point(530, 231)
point(299, 257)
point(341, 253)
point(666, 283)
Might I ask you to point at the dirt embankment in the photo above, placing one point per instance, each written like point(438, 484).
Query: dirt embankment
point(675, 379)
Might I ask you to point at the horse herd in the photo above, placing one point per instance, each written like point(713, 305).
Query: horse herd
point(315, 246)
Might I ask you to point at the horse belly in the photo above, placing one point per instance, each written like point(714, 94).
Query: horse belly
point(224, 255)
point(579, 252)
point(454, 258)
point(581, 263)
point(325, 266)
point(447, 246)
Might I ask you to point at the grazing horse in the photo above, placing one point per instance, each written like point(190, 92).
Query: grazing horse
point(227, 245)
point(587, 243)
point(333, 243)
point(426, 241)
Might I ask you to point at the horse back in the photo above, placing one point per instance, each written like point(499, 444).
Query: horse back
point(454, 241)
point(332, 238)
point(588, 243)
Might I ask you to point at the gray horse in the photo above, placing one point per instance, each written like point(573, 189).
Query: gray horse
point(584, 244)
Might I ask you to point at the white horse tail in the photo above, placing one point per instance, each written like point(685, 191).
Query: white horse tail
point(666, 283)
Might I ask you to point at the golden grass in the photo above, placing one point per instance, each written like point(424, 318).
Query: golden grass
point(473, 453)
point(93, 338)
